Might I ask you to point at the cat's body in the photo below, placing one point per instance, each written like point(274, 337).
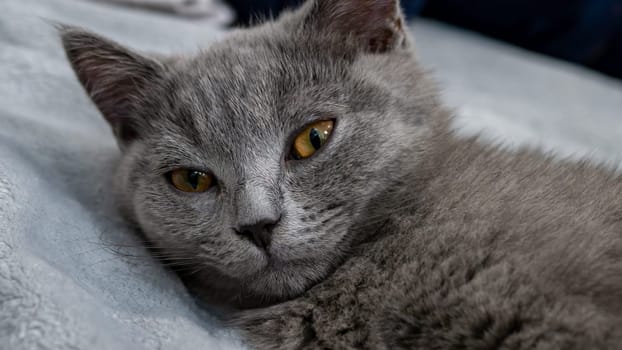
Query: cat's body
point(391, 232)
point(497, 250)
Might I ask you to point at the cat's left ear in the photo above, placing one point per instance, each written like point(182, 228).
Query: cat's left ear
point(374, 25)
point(114, 77)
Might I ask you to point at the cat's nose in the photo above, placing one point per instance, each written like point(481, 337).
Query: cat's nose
point(260, 232)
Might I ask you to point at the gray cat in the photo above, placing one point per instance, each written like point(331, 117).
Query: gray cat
point(303, 174)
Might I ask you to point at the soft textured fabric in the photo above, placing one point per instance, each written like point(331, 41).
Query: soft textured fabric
point(74, 276)
point(189, 8)
point(70, 277)
point(516, 97)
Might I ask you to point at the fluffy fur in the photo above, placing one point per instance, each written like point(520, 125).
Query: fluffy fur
point(396, 234)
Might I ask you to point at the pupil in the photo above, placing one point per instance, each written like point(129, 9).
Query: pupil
point(315, 138)
point(193, 179)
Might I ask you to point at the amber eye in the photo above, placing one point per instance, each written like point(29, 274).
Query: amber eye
point(311, 139)
point(193, 181)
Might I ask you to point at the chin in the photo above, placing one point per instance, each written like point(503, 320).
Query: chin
point(276, 282)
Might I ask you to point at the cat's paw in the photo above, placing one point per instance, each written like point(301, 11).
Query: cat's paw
point(282, 326)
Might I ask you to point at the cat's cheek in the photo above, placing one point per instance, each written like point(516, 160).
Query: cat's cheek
point(123, 184)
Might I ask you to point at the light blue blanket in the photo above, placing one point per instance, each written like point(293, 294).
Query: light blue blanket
point(73, 276)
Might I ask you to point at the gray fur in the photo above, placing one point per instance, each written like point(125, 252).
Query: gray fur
point(396, 234)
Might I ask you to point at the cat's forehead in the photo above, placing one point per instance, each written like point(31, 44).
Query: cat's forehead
point(250, 65)
point(242, 95)
point(251, 85)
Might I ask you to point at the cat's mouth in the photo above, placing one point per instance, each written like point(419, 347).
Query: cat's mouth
point(263, 283)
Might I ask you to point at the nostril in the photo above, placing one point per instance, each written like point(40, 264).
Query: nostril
point(260, 233)
point(260, 237)
point(269, 226)
point(246, 234)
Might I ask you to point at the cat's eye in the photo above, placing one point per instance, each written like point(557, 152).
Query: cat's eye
point(311, 139)
point(192, 181)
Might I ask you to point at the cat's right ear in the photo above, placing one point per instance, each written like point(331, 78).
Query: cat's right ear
point(369, 25)
point(114, 77)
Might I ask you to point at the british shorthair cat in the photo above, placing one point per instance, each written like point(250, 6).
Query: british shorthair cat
point(307, 171)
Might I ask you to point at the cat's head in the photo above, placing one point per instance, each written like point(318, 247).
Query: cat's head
point(256, 164)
